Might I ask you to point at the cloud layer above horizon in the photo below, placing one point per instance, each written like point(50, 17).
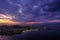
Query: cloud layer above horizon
point(31, 10)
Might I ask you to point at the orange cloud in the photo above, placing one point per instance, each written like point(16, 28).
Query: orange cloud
point(2, 16)
point(46, 21)
point(7, 19)
point(34, 22)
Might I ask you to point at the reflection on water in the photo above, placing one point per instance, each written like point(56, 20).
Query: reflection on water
point(5, 37)
point(31, 34)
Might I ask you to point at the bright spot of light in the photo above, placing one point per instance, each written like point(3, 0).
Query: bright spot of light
point(7, 19)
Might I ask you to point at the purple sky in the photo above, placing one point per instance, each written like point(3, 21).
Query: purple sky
point(31, 10)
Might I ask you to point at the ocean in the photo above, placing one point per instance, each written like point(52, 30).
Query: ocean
point(32, 35)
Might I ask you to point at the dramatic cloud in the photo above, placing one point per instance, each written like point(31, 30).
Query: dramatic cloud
point(6, 16)
point(7, 19)
point(32, 10)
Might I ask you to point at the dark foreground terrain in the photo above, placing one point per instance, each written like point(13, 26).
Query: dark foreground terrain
point(46, 31)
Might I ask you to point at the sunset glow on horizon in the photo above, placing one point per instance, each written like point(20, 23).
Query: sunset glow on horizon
point(29, 11)
point(7, 20)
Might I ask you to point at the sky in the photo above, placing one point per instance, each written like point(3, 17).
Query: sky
point(31, 10)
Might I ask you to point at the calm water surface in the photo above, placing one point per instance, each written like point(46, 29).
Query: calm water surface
point(30, 34)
